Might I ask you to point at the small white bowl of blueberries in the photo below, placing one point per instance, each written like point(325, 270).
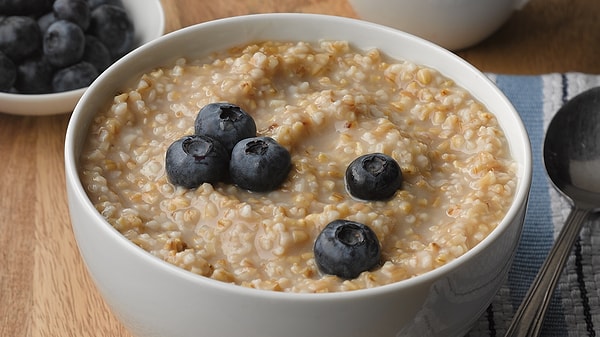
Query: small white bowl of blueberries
point(51, 50)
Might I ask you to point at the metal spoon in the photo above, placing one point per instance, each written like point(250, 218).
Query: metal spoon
point(572, 160)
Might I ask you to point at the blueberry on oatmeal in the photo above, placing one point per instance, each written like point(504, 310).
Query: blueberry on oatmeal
point(373, 176)
point(225, 122)
point(193, 160)
point(259, 164)
point(346, 248)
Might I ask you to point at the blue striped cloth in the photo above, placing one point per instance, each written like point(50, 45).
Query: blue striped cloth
point(575, 307)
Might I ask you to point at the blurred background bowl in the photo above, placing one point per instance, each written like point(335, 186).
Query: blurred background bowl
point(452, 24)
point(149, 22)
point(154, 298)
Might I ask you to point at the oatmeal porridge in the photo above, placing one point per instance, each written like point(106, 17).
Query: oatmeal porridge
point(327, 104)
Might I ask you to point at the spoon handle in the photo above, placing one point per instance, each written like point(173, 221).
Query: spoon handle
point(529, 317)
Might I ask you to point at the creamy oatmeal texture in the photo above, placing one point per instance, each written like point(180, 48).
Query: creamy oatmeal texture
point(326, 103)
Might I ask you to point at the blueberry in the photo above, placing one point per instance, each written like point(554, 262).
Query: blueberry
point(64, 43)
point(25, 7)
point(8, 73)
point(225, 122)
point(76, 11)
point(112, 26)
point(193, 160)
point(20, 37)
point(73, 77)
point(346, 248)
point(95, 52)
point(259, 164)
point(374, 176)
point(46, 20)
point(34, 76)
point(95, 3)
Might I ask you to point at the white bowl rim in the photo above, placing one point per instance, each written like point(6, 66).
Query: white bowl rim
point(57, 103)
point(520, 197)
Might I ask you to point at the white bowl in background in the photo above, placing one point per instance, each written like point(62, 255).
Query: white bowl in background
point(154, 298)
point(453, 24)
point(149, 22)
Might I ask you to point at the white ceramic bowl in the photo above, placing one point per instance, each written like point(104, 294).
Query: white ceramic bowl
point(148, 19)
point(154, 298)
point(453, 24)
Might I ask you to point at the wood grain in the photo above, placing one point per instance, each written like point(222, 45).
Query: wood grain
point(44, 288)
point(544, 37)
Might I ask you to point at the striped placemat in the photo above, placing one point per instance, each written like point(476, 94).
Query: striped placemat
point(575, 307)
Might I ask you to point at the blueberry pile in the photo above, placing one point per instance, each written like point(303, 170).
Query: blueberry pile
point(225, 148)
point(346, 248)
point(49, 46)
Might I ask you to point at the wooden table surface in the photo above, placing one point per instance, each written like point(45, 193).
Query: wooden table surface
point(44, 287)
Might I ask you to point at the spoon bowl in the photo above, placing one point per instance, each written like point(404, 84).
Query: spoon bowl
point(572, 160)
point(572, 149)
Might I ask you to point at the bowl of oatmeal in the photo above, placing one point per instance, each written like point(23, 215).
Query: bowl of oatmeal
point(311, 238)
